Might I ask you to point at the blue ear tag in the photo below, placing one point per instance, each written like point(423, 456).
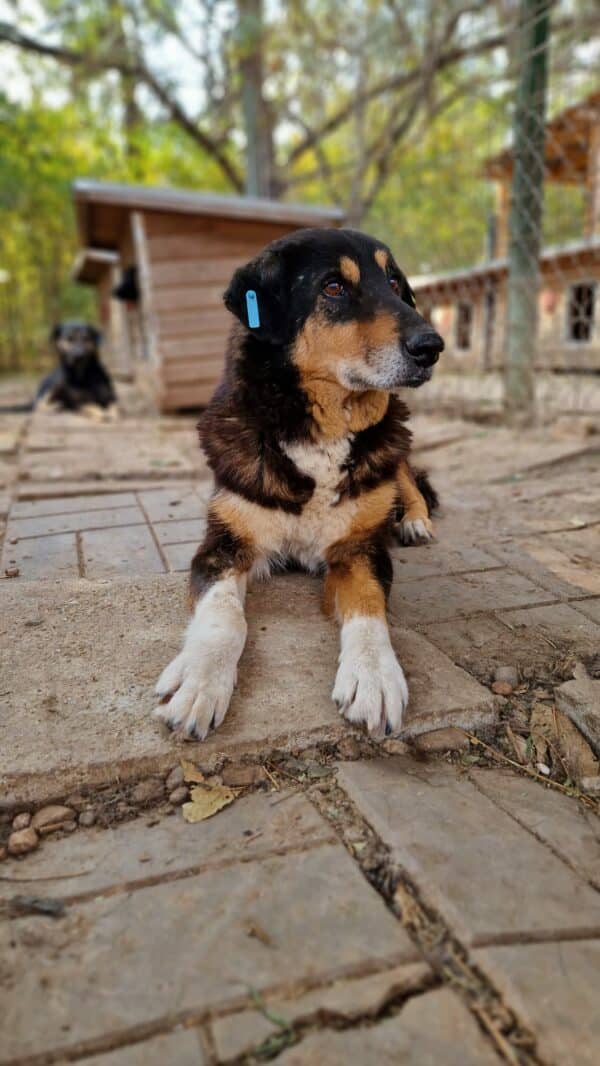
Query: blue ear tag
point(252, 308)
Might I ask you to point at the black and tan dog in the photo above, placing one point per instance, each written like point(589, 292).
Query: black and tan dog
point(309, 448)
point(80, 382)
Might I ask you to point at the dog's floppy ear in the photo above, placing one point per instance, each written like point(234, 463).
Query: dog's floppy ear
point(96, 335)
point(256, 295)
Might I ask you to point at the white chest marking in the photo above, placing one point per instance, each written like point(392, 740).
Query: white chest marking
point(323, 520)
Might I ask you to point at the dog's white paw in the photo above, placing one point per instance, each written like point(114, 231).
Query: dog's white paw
point(197, 691)
point(415, 531)
point(196, 687)
point(370, 686)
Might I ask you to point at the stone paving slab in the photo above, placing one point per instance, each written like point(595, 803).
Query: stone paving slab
point(42, 557)
point(571, 830)
point(72, 504)
point(525, 558)
point(99, 860)
point(180, 532)
point(181, 1048)
point(83, 712)
point(120, 552)
point(440, 558)
point(523, 637)
point(440, 598)
point(176, 502)
point(179, 556)
point(554, 989)
point(472, 862)
point(235, 1034)
point(574, 557)
point(429, 1030)
point(72, 521)
point(590, 608)
point(180, 948)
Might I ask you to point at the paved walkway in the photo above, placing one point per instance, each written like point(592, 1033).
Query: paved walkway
point(424, 900)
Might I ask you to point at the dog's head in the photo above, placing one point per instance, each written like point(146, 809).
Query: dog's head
point(76, 342)
point(341, 307)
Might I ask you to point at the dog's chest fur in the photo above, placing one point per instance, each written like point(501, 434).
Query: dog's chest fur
point(324, 518)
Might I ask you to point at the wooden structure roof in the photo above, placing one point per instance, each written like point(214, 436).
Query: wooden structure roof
point(568, 137)
point(103, 208)
point(91, 263)
point(553, 260)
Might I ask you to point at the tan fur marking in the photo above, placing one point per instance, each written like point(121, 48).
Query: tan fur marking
point(223, 507)
point(349, 270)
point(412, 501)
point(382, 258)
point(374, 507)
point(319, 349)
point(353, 590)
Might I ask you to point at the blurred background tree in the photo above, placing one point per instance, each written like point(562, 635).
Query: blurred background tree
point(385, 108)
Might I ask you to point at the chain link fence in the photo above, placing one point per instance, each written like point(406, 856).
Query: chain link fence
point(532, 300)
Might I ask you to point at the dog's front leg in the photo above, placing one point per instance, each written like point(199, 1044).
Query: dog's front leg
point(196, 687)
point(370, 686)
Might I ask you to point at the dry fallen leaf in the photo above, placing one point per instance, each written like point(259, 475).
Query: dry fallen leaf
point(564, 740)
point(191, 772)
point(206, 801)
point(519, 746)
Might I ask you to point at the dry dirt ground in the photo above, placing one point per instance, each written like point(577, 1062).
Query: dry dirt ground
point(429, 899)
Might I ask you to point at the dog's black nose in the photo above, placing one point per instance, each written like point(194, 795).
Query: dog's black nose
point(425, 347)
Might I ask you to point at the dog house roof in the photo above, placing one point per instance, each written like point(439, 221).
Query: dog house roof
point(102, 208)
point(91, 263)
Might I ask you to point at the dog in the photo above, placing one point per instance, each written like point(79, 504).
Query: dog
point(309, 447)
point(80, 382)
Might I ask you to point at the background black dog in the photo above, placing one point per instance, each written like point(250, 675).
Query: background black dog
point(80, 379)
point(80, 382)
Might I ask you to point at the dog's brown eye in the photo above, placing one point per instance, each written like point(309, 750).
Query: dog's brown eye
point(395, 285)
point(333, 288)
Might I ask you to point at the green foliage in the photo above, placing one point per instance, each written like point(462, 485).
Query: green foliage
point(43, 149)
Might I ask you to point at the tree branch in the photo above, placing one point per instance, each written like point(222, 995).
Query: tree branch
point(100, 64)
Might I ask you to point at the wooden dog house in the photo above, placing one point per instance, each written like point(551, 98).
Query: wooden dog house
point(185, 246)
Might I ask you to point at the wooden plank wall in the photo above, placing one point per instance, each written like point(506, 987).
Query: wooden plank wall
point(191, 261)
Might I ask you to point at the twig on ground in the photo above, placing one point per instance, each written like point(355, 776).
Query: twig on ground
point(568, 790)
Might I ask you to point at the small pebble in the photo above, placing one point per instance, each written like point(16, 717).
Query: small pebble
point(395, 747)
point(152, 788)
point(3, 853)
point(502, 688)
point(13, 540)
point(591, 784)
point(178, 796)
point(508, 674)
point(21, 821)
point(174, 779)
point(50, 818)
point(542, 768)
point(241, 776)
point(23, 841)
point(348, 748)
point(12, 571)
point(76, 800)
point(69, 827)
point(87, 817)
point(450, 739)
